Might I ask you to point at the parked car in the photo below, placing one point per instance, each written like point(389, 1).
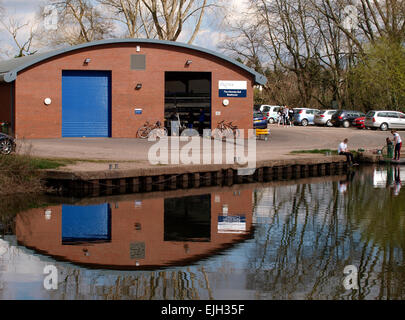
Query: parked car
point(359, 123)
point(259, 120)
point(271, 112)
point(385, 120)
point(304, 116)
point(344, 118)
point(323, 118)
point(7, 144)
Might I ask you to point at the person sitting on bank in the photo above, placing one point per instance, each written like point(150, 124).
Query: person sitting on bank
point(344, 151)
point(398, 145)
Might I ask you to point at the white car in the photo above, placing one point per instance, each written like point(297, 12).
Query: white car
point(271, 112)
point(324, 117)
point(385, 120)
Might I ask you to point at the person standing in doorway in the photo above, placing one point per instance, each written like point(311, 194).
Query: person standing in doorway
point(190, 120)
point(175, 124)
point(397, 144)
point(344, 151)
point(201, 120)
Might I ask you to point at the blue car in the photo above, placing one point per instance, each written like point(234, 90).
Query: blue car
point(259, 120)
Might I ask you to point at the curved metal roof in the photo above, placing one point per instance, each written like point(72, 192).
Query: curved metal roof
point(10, 68)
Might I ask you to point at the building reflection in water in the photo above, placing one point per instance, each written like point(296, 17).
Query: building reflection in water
point(305, 233)
point(134, 233)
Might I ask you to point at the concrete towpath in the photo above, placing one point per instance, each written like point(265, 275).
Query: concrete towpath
point(133, 153)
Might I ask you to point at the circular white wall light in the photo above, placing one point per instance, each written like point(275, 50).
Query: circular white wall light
point(225, 102)
point(48, 101)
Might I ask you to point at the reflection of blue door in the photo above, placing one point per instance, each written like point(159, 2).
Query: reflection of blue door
point(86, 103)
point(86, 223)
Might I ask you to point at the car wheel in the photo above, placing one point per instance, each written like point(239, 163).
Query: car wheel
point(271, 120)
point(304, 122)
point(329, 123)
point(346, 124)
point(6, 146)
point(384, 127)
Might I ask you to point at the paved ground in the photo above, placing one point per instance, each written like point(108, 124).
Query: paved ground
point(135, 151)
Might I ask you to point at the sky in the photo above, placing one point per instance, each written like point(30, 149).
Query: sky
point(211, 34)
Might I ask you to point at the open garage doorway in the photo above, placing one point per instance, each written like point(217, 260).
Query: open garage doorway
point(188, 94)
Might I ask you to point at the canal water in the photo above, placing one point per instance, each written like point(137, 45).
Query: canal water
point(280, 240)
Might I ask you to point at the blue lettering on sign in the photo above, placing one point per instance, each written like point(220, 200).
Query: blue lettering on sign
point(138, 111)
point(232, 219)
point(226, 93)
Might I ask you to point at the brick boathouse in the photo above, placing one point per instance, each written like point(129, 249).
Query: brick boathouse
point(110, 88)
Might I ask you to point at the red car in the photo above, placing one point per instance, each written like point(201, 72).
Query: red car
point(359, 123)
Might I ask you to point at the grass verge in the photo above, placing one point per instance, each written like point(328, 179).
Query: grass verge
point(22, 173)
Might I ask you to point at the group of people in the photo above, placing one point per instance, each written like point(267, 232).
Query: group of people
point(285, 116)
point(396, 142)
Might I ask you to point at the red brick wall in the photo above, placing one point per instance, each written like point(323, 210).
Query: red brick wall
point(33, 85)
point(5, 102)
point(34, 231)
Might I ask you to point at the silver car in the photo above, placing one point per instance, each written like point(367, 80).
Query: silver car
point(385, 120)
point(323, 118)
point(304, 116)
point(271, 112)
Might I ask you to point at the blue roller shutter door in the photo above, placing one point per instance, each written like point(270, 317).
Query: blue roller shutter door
point(86, 104)
point(86, 223)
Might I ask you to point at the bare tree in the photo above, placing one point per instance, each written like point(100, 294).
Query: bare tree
point(79, 22)
point(22, 34)
point(170, 16)
point(14, 29)
point(133, 15)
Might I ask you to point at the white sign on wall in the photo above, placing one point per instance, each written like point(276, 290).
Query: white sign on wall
point(232, 224)
point(232, 89)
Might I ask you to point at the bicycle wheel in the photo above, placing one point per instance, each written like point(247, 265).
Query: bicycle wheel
point(229, 134)
point(218, 133)
point(161, 132)
point(143, 132)
point(236, 133)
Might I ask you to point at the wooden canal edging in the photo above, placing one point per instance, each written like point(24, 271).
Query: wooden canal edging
point(161, 178)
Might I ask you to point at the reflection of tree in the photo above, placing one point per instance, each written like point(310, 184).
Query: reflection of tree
point(314, 232)
point(188, 284)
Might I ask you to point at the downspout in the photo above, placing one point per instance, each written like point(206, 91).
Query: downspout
point(12, 108)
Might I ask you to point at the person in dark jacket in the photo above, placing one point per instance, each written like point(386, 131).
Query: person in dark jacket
point(190, 120)
point(201, 120)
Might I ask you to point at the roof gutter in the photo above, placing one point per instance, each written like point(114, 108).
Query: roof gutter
point(8, 76)
point(12, 74)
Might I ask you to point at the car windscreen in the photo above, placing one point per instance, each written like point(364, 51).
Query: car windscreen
point(322, 112)
point(297, 110)
point(370, 114)
point(332, 112)
point(258, 115)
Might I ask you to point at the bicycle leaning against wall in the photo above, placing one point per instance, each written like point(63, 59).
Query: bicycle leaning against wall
point(148, 130)
point(226, 130)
